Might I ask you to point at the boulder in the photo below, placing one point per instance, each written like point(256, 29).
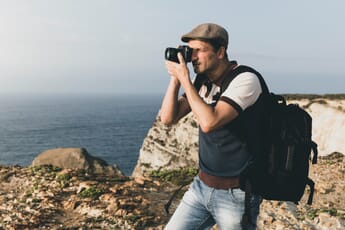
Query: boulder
point(75, 158)
point(169, 147)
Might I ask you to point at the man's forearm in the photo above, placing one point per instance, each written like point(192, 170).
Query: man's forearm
point(204, 113)
point(169, 108)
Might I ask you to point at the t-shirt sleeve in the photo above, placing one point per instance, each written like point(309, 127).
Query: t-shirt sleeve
point(243, 91)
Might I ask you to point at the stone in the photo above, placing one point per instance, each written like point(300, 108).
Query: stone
point(168, 147)
point(75, 158)
point(120, 212)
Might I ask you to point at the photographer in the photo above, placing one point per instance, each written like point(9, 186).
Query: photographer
point(215, 196)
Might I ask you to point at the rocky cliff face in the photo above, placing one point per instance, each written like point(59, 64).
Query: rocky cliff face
point(328, 124)
point(177, 146)
point(169, 147)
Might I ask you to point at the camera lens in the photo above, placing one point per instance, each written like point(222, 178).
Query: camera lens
point(171, 54)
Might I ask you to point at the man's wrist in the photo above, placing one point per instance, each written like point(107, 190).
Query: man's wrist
point(174, 81)
point(188, 87)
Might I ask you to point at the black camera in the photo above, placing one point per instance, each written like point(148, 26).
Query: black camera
point(171, 53)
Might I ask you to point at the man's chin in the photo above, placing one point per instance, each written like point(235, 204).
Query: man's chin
point(196, 69)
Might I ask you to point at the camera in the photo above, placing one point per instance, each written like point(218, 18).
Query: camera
point(171, 53)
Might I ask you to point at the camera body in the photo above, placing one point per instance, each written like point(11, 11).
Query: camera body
point(171, 53)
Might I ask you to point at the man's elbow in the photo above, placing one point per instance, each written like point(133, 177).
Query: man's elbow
point(167, 120)
point(206, 128)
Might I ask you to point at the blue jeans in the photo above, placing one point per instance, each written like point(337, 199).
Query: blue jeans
point(203, 206)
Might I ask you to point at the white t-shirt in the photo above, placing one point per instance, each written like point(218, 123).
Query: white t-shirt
point(241, 93)
point(244, 90)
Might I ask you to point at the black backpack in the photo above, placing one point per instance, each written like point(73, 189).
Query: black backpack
point(280, 170)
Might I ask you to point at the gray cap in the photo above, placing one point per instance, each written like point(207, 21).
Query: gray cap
point(208, 31)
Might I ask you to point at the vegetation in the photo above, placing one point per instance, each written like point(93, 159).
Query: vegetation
point(194, 124)
point(63, 179)
point(92, 192)
point(176, 176)
point(313, 96)
point(44, 169)
point(335, 157)
point(314, 212)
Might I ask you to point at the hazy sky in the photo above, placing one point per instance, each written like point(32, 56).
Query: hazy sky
point(104, 46)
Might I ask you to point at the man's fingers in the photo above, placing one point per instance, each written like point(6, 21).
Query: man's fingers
point(180, 58)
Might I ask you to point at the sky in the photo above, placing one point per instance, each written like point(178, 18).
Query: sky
point(113, 47)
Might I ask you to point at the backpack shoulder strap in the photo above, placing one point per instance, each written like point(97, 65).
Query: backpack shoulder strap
point(199, 80)
point(242, 69)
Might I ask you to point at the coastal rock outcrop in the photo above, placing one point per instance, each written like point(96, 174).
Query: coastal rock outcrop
point(75, 158)
point(47, 197)
point(169, 147)
point(176, 146)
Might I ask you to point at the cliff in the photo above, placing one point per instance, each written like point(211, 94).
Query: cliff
point(176, 146)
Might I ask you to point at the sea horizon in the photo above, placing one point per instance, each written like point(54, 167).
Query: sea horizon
point(109, 126)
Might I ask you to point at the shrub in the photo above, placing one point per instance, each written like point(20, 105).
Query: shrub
point(176, 176)
point(92, 192)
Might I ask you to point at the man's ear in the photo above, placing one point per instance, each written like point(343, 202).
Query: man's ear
point(221, 52)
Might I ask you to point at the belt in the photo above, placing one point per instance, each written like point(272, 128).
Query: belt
point(218, 182)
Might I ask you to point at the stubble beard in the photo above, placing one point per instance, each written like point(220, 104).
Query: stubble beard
point(196, 67)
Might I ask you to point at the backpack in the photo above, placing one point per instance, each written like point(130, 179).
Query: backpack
point(280, 170)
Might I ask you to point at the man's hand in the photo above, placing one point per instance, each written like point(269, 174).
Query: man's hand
point(173, 107)
point(179, 71)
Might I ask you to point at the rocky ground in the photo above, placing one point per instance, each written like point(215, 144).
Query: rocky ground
point(46, 197)
point(328, 209)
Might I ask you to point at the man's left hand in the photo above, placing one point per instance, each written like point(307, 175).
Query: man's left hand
point(179, 70)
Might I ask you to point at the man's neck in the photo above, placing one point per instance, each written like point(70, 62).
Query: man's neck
point(219, 73)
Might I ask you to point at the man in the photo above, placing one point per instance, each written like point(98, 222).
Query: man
point(214, 197)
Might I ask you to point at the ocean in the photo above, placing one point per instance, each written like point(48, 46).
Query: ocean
point(111, 127)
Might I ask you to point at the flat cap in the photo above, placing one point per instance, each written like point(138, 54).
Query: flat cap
point(208, 31)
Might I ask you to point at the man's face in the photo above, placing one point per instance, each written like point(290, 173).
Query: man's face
point(204, 59)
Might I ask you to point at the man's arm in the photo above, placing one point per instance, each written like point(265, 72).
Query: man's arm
point(208, 117)
point(173, 108)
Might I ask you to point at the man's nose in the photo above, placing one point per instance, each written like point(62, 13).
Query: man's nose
point(194, 55)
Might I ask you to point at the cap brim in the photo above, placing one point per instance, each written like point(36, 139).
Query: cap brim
point(186, 38)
